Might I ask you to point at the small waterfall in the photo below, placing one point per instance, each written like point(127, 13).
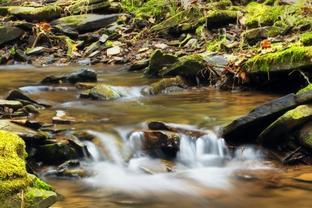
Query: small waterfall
point(207, 150)
point(93, 150)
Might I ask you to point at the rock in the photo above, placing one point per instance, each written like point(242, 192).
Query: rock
point(165, 85)
point(56, 152)
point(113, 51)
point(305, 135)
point(83, 75)
point(38, 14)
point(167, 65)
point(139, 65)
point(247, 128)
point(19, 96)
point(101, 92)
point(273, 134)
point(159, 61)
point(16, 181)
point(8, 33)
point(294, 57)
point(221, 18)
point(62, 118)
point(10, 104)
point(7, 125)
point(161, 144)
point(85, 22)
point(160, 126)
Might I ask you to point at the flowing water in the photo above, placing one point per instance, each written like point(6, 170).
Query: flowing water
point(206, 173)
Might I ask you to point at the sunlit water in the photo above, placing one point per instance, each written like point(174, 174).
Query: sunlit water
point(206, 173)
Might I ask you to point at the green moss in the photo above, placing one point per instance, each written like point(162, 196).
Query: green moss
point(160, 86)
point(101, 92)
point(149, 8)
point(305, 89)
point(290, 58)
point(262, 15)
point(306, 39)
point(40, 184)
point(216, 45)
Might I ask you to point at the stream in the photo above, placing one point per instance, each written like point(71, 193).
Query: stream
point(205, 172)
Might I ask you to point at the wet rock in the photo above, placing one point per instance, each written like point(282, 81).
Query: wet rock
point(18, 95)
point(56, 152)
point(166, 85)
point(305, 135)
point(248, 128)
point(45, 13)
point(36, 197)
point(140, 65)
point(273, 134)
point(305, 177)
point(220, 18)
point(161, 126)
point(84, 23)
point(8, 33)
point(101, 92)
point(158, 61)
point(10, 104)
point(17, 129)
point(161, 144)
point(83, 75)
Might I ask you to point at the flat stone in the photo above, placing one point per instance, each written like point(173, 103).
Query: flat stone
point(83, 75)
point(306, 177)
point(11, 104)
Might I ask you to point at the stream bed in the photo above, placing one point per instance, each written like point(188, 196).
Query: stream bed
point(204, 173)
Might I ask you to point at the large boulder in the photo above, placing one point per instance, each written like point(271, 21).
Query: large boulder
point(16, 184)
point(84, 23)
point(38, 14)
point(247, 128)
point(285, 124)
point(8, 33)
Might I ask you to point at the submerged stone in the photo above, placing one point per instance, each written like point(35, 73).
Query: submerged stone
point(8, 33)
point(85, 22)
point(272, 135)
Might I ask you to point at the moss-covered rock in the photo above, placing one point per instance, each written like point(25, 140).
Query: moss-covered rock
point(88, 6)
point(8, 33)
point(15, 182)
point(220, 18)
point(306, 39)
point(45, 13)
point(305, 89)
point(293, 57)
point(254, 35)
point(101, 92)
point(84, 22)
point(166, 85)
point(167, 65)
point(273, 134)
point(305, 135)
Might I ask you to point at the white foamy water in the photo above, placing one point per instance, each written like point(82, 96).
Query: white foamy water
point(203, 162)
point(38, 89)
